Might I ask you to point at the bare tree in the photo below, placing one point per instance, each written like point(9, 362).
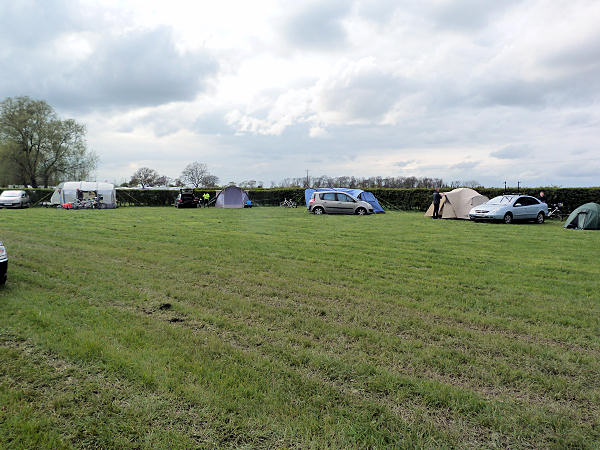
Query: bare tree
point(210, 181)
point(194, 173)
point(162, 180)
point(145, 177)
point(248, 184)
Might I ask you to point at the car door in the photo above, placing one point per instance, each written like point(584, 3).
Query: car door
point(330, 203)
point(530, 208)
point(345, 204)
point(519, 208)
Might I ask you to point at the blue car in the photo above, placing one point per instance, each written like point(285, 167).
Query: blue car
point(509, 208)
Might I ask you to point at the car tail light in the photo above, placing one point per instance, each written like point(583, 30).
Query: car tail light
point(311, 201)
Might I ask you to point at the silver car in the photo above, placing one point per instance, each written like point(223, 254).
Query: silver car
point(333, 202)
point(14, 199)
point(509, 208)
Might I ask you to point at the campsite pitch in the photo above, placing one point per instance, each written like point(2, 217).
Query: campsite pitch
point(270, 327)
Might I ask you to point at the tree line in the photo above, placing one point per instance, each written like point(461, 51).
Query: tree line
point(195, 174)
point(376, 182)
point(361, 182)
point(38, 148)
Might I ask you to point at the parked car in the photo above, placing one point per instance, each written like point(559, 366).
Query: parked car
point(187, 199)
point(3, 263)
point(510, 208)
point(333, 202)
point(14, 199)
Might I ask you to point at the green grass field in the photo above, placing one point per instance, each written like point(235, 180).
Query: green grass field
point(269, 327)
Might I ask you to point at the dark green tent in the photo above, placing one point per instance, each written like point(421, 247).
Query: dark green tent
point(586, 217)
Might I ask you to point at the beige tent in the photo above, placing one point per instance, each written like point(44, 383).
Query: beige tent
point(457, 203)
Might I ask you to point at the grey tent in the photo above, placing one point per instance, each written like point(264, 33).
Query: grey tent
point(231, 197)
point(586, 217)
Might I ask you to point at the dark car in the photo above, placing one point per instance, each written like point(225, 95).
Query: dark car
point(187, 199)
point(3, 263)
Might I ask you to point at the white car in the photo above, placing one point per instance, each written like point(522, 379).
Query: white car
point(14, 199)
point(509, 208)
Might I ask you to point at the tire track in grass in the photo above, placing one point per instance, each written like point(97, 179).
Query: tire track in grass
point(385, 428)
point(411, 409)
point(74, 401)
point(416, 407)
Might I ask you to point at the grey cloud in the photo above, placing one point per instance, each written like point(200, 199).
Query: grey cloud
point(366, 96)
point(403, 164)
point(584, 54)
point(577, 88)
point(140, 68)
point(29, 23)
point(465, 165)
point(578, 171)
point(513, 92)
point(378, 10)
point(581, 119)
point(468, 14)
point(212, 123)
point(318, 26)
point(513, 151)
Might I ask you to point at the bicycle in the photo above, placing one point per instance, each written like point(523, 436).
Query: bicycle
point(288, 203)
point(97, 202)
point(555, 212)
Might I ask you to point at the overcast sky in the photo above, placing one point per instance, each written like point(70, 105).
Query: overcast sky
point(482, 90)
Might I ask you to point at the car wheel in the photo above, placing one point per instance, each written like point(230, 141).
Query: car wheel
point(318, 210)
point(361, 211)
point(508, 218)
point(540, 218)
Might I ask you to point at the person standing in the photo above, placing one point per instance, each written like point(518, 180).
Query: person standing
point(437, 198)
point(205, 198)
point(543, 198)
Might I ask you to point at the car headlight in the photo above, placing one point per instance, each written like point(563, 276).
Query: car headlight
point(3, 254)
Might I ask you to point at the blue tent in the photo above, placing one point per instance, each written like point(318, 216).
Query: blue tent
point(358, 193)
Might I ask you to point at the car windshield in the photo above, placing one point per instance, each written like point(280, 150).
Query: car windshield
point(11, 194)
point(501, 200)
